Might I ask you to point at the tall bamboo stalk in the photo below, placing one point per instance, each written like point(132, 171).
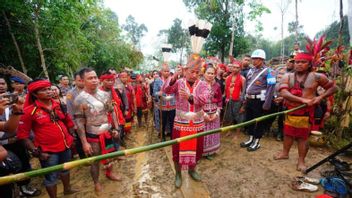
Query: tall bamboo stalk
point(90, 160)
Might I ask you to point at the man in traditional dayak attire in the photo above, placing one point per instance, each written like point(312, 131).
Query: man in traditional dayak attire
point(94, 129)
point(142, 98)
point(300, 88)
point(131, 110)
point(115, 117)
point(191, 95)
point(166, 101)
point(278, 99)
point(235, 86)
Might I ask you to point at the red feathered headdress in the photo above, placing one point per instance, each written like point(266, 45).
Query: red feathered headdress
point(318, 49)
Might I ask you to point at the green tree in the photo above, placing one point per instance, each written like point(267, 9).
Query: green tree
point(63, 36)
point(332, 32)
point(177, 37)
point(221, 14)
point(134, 30)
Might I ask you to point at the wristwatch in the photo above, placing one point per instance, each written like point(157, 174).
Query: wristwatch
point(36, 152)
point(18, 113)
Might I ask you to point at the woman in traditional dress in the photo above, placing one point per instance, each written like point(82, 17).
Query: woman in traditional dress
point(212, 112)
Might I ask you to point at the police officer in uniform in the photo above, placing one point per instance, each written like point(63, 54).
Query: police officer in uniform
point(259, 94)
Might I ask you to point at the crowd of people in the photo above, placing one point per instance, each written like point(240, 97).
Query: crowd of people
point(94, 114)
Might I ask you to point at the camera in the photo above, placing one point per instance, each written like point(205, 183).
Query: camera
point(13, 98)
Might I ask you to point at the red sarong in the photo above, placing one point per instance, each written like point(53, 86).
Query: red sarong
point(188, 149)
point(298, 124)
point(195, 151)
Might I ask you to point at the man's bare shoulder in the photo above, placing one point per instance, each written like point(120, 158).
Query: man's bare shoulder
point(285, 78)
point(81, 98)
point(320, 78)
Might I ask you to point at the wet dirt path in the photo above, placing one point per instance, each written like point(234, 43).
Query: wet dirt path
point(147, 174)
point(233, 172)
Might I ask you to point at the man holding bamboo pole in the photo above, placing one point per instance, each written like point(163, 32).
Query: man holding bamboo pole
point(300, 88)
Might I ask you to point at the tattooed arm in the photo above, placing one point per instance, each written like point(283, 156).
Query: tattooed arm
point(80, 121)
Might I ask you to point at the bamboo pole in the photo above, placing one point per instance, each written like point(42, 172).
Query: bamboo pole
point(90, 160)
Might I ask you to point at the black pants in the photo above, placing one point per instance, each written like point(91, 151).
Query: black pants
point(167, 119)
point(254, 109)
point(7, 191)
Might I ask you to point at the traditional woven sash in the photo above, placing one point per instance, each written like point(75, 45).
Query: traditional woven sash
point(106, 145)
point(188, 149)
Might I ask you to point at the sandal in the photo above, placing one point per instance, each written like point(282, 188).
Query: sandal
point(307, 179)
point(302, 186)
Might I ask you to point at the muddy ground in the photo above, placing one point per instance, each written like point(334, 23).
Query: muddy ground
point(233, 172)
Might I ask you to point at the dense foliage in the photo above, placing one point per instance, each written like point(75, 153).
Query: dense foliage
point(62, 36)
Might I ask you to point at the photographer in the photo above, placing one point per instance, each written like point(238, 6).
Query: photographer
point(9, 162)
point(8, 137)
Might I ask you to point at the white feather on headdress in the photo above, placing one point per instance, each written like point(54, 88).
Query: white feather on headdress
point(166, 51)
point(199, 31)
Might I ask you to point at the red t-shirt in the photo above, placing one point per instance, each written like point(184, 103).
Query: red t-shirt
point(49, 135)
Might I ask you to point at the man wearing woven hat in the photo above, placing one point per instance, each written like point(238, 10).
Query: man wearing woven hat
point(300, 88)
point(191, 95)
point(259, 94)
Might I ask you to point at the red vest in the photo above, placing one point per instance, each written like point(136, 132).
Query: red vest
point(237, 87)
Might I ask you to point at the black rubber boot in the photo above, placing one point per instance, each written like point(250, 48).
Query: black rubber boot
point(195, 176)
point(248, 142)
point(178, 177)
point(254, 146)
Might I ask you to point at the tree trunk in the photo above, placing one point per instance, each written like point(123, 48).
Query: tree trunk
point(222, 55)
point(282, 38)
point(181, 54)
point(341, 23)
point(24, 69)
point(296, 28)
point(232, 39)
point(350, 20)
point(40, 49)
